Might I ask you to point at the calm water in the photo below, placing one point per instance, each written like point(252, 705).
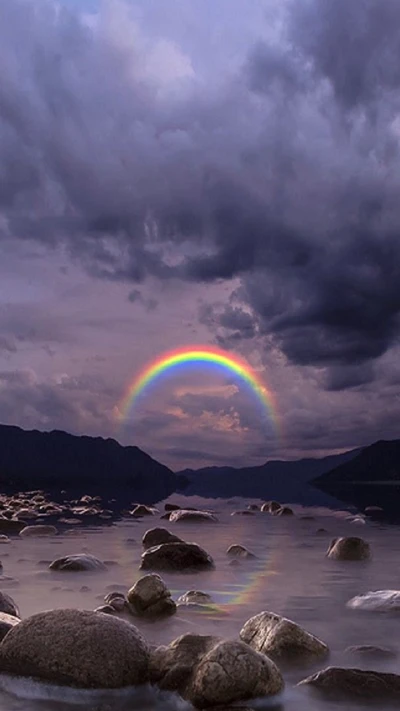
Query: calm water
point(290, 576)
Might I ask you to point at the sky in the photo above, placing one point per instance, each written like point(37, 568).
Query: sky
point(178, 172)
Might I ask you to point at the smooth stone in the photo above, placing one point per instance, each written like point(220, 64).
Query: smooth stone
point(196, 597)
point(189, 516)
point(377, 601)
point(283, 511)
point(281, 639)
point(230, 672)
point(150, 597)
point(270, 506)
point(176, 556)
point(4, 538)
point(76, 648)
point(157, 536)
point(171, 667)
point(141, 510)
point(370, 651)
point(78, 562)
point(31, 531)
point(351, 548)
point(355, 684)
point(116, 600)
point(6, 623)
point(238, 551)
point(8, 605)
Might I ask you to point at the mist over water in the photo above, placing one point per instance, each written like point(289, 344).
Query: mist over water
point(290, 576)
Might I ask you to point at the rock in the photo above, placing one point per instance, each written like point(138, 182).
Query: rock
point(370, 651)
point(373, 509)
point(171, 667)
point(194, 597)
point(176, 556)
point(156, 536)
point(8, 606)
point(150, 597)
point(283, 511)
point(76, 648)
point(171, 507)
point(238, 551)
point(4, 538)
point(270, 506)
point(321, 531)
point(80, 561)
point(140, 511)
point(30, 531)
point(116, 600)
point(245, 512)
point(8, 525)
point(377, 601)
point(106, 609)
point(6, 623)
point(192, 516)
point(281, 639)
point(231, 671)
point(356, 684)
point(253, 507)
point(349, 549)
point(234, 563)
point(27, 514)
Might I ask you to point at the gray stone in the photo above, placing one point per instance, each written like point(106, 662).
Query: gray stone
point(355, 684)
point(176, 556)
point(377, 601)
point(8, 605)
point(171, 667)
point(157, 536)
point(192, 516)
point(78, 562)
point(351, 548)
point(6, 623)
point(238, 551)
point(150, 597)
point(33, 531)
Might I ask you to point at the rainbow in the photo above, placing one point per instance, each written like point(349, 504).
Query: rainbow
point(204, 355)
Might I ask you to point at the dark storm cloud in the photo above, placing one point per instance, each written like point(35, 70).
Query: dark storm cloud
point(286, 177)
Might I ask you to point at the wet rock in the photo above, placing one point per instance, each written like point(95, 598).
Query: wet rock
point(76, 648)
point(189, 516)
point(106, 609)
point(377, 601)
point(171, 667)
point(27, 514)
point(281, 639)
point(4, 538)
point(157, 536)
point(172, 507)
point(194, 597)
point(8, 606)
point(78, 562)
point(34, 531)
point(230, 672)
point(270, 506)
point(238, 551)
point(140, 511)
point(253, 507)
point(150, 597)
point(7, 622)
point(371, 651)
point(355, 684)
point(116, 600)
point(283, 511)
point(351, 548)
point(8, 525)
point(176, 556)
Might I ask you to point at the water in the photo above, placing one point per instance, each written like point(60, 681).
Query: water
point(291, 576)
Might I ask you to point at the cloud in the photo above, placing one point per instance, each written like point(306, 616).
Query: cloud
point(282, 173)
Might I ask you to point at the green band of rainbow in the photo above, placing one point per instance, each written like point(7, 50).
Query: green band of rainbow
point(206, 355)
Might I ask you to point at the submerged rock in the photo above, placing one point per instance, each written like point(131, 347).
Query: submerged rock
point(378, 601)
point(281, 639)
point(176, 556)
point(140, 511)
point(150, 597)
point(78, 562)
point(270, 506)
point(194, 597)
point(238, 551)
point(157, 536)
point(283, 511)
point(33, 531)
point(351, 548)
point(8, 605)
point(231, 671)
point(371, 651)
point(195, 516)
point(76, 648)
point(355, 684)
point(244, 512)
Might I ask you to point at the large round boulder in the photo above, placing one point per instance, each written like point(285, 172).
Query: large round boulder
point(231, 672)
point(176, 556)
point(377, 601)
point(351, 548)
point(192, 516)
point(78, 562)
point(76, 648)
point(157, 536)
point(354, 684)
point(150, 597)
point(281, 639)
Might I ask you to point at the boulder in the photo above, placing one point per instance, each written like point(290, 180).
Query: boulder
point(230, 672)
point(80, 561)
point(270, 506)
point(253, 507)
point(7, 622)
point(171, 667)
point(281, 639)
point(283, 511)
point(140, 511)
point(172, 507)
point(117, 601)
point(192, 516)
point(176, 556)
point(194, 597)
point(371, 651)
point(76, 648)
point(150, 597)
point(351, 548)
point(34, 531)
point(4, 538)
point(356, 684)
point(8, 605)
point(8, 525)
point(156, 536)
point(377, 601)
point(238, 551)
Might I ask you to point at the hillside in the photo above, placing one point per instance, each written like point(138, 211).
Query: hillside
point(33, 459)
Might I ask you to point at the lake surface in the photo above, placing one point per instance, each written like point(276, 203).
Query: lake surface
point(291, 576)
